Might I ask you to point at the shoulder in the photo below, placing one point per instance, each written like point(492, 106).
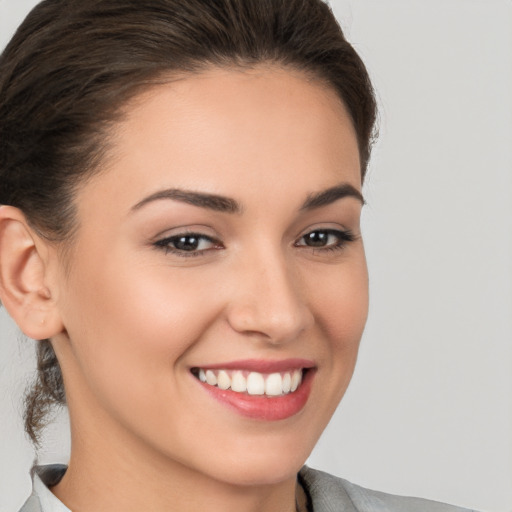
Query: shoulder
point(331, 494)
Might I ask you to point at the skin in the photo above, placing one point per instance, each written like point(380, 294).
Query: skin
point(129, 319)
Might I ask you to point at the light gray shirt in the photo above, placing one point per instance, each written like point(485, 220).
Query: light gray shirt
point(326, 493)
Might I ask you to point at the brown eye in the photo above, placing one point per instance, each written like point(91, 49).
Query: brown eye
point(188, 244)
point(317, 239)
point(326, 239)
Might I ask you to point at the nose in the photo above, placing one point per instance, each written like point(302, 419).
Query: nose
point(269, 300)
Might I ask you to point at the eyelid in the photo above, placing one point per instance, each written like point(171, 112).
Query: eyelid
point(169, 240)
point(192, 234)
point(326, 228)
point(165, 243)
point(344, 237)
point(190, 229)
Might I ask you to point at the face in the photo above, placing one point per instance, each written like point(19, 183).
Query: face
point(222, 243)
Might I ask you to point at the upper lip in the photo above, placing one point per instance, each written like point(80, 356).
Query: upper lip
point(262, 365)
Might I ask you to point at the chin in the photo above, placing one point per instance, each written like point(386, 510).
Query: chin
point(248, 475)
point(261, 467)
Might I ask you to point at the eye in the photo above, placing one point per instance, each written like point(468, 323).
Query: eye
point(326, 239)
point(188, 244)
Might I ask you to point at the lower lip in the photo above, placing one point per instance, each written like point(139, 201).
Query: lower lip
point(262, 407)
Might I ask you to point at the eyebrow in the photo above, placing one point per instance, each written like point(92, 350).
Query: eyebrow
point(228, 205)
point(331, 195)
point(202, 200)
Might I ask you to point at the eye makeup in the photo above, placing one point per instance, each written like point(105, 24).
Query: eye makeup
point(194, 244)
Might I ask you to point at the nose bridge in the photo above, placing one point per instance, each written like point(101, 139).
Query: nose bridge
point(269, 299)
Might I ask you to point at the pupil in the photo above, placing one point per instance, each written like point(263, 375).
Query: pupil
point(316, 239)
point(187, 243)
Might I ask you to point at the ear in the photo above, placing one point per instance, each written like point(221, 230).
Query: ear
point(24, 258)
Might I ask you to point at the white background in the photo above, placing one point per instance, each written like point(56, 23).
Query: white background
point(429, 411)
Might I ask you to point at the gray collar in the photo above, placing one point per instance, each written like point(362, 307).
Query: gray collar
point(324, 495)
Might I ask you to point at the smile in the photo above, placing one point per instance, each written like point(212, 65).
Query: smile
point(262, 390)
point(251, 382)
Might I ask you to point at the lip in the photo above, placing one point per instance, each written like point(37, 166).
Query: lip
point(260, 407)
point(262, 366)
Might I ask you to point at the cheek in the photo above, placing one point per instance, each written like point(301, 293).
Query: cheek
point(130, 324)
point(341, 303)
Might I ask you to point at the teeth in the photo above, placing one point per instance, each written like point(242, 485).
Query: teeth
point(238, 382)
point(223, 380)
point(211, 378)
point(274, 385)
point(253, 383)
point(296, 380)
point(287, 383)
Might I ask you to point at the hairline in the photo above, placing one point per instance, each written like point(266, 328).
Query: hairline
point(134, 96)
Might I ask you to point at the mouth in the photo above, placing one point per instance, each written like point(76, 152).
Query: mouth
point(262, 390)
point(253, 383)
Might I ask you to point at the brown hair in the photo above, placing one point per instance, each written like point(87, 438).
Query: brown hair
point(73, 64)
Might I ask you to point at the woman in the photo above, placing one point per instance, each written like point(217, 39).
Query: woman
point(181, 185)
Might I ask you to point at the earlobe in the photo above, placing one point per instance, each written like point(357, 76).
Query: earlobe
point(23, 267)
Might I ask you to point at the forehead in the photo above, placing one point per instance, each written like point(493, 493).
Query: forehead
point(229, 131)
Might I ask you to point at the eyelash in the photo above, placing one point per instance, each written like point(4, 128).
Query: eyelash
point(166, 244)
point(343, 238)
